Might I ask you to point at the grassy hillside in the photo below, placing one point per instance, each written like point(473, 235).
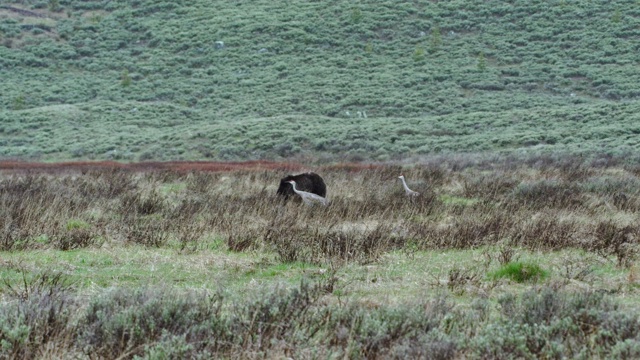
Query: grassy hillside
point(375, 80)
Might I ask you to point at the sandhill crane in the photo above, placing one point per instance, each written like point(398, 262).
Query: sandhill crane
point(307, 197)
point(409, 192)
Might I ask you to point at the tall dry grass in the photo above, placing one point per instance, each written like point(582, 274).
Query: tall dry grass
point(553, 205)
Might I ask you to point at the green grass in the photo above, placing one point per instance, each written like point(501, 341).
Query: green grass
point(77, 224)
point(520, 272)
point(146, 81)
point(399, 278)
point(137, 266)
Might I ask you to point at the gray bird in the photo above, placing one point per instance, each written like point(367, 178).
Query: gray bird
point(409, 192)
point(307, 197)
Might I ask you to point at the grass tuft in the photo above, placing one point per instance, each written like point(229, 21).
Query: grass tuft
point(520, 272)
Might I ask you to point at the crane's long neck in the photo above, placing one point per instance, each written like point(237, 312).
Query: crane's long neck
point(294, 187)
point(404, 183)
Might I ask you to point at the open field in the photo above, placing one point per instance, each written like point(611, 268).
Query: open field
point(494, 259)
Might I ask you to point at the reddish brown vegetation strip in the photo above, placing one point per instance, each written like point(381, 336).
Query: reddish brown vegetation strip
point(180, 166)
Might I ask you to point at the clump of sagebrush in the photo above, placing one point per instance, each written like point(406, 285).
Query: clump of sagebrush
point(544, 322)
point(298, 321)
point(45, 282)
point(146, 321)
point(122, 321)
point(36, 315)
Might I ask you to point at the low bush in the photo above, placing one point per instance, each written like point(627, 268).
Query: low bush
point(299, 321)
point(37, 315)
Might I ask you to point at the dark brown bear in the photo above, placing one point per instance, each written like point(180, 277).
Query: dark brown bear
point(309, 182)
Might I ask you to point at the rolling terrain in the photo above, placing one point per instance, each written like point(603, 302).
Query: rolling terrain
point(367, 80)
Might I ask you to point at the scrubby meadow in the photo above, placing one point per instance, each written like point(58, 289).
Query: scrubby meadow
point(497, 258)
point(517, 121)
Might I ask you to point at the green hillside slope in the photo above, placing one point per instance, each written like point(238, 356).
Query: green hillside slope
point(374, 80)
